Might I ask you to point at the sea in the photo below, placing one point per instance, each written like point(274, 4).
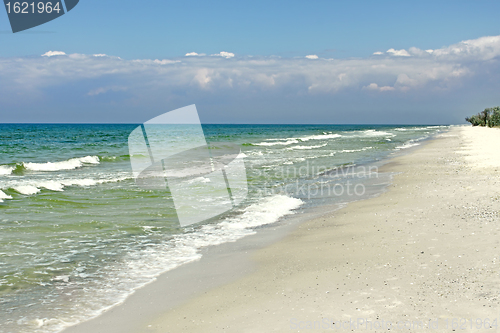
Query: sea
point(78, 235)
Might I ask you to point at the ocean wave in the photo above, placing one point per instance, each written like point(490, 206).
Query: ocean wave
point(26, 189)
point(306, 147)
point(6, 170)
point(31, 187)
point(267, 211)
point(324, 136)
point(141, 267)
point(52, 185)
point(199, 180)
point(404, 129)
point(289, 141)
point(115, 158)
point(275, 143)
point(256, 153)
point(373, 133)
point(411, 143)
point(92, 182)
point(4, 196)
point(70, 164)
point(354, 150)
point(407, 145)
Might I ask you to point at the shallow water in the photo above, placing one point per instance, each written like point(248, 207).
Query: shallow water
point(77, 235)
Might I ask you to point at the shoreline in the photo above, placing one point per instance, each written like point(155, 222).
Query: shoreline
point(342, 265)
point(235, 262)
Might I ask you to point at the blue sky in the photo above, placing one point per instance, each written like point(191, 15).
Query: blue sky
point(265, 76)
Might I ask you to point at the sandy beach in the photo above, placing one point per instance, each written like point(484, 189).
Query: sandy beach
point(421, 256)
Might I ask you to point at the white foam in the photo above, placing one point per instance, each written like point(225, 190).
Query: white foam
point(306, 147)
point(289, 141)
point(407, 145)
point(350, 150)
point(373, 133)
point(257, 153)
point(92, 182)
point(64, 278)
point(33, 187)
point(434, 127)
point(283, 143)
point(27, 189)
point(267, 210)
point(199, 180)
point(354, 150)
point(52, 185)
point(114, 180)
point(70, 164)
point(5, 170)
point(402, 129)
point(142, 267)
point(80, 182)
point(325, 136)
point(4, 196)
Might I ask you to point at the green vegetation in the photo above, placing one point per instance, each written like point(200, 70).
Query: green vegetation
point(488, 117)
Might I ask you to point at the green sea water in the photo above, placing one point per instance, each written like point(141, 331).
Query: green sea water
point(77, 235)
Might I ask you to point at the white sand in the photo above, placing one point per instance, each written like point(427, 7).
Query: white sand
point(480, 142)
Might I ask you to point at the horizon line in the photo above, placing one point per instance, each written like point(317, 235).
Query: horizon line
point(295, 124)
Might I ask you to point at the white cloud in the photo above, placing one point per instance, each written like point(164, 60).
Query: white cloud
point(203, 77)
point(100, 55)
point(165, 61)
point(103, 90)
point(224, 54)
point(374, 86)
point(53, 53)
point(156, 61)
point(312, 56)
point(443, 69)
point(399, 53)
point(484, 48)
point(194, 54)
point(378, 53)
point(386, 88)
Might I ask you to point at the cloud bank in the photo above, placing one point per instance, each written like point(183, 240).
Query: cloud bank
point(394, 72)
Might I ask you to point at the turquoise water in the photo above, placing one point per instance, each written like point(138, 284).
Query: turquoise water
point(77, 235)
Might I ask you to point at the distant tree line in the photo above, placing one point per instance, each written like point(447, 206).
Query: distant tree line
point(489, 117)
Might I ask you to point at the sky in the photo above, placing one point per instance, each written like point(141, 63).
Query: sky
point(288, 62)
